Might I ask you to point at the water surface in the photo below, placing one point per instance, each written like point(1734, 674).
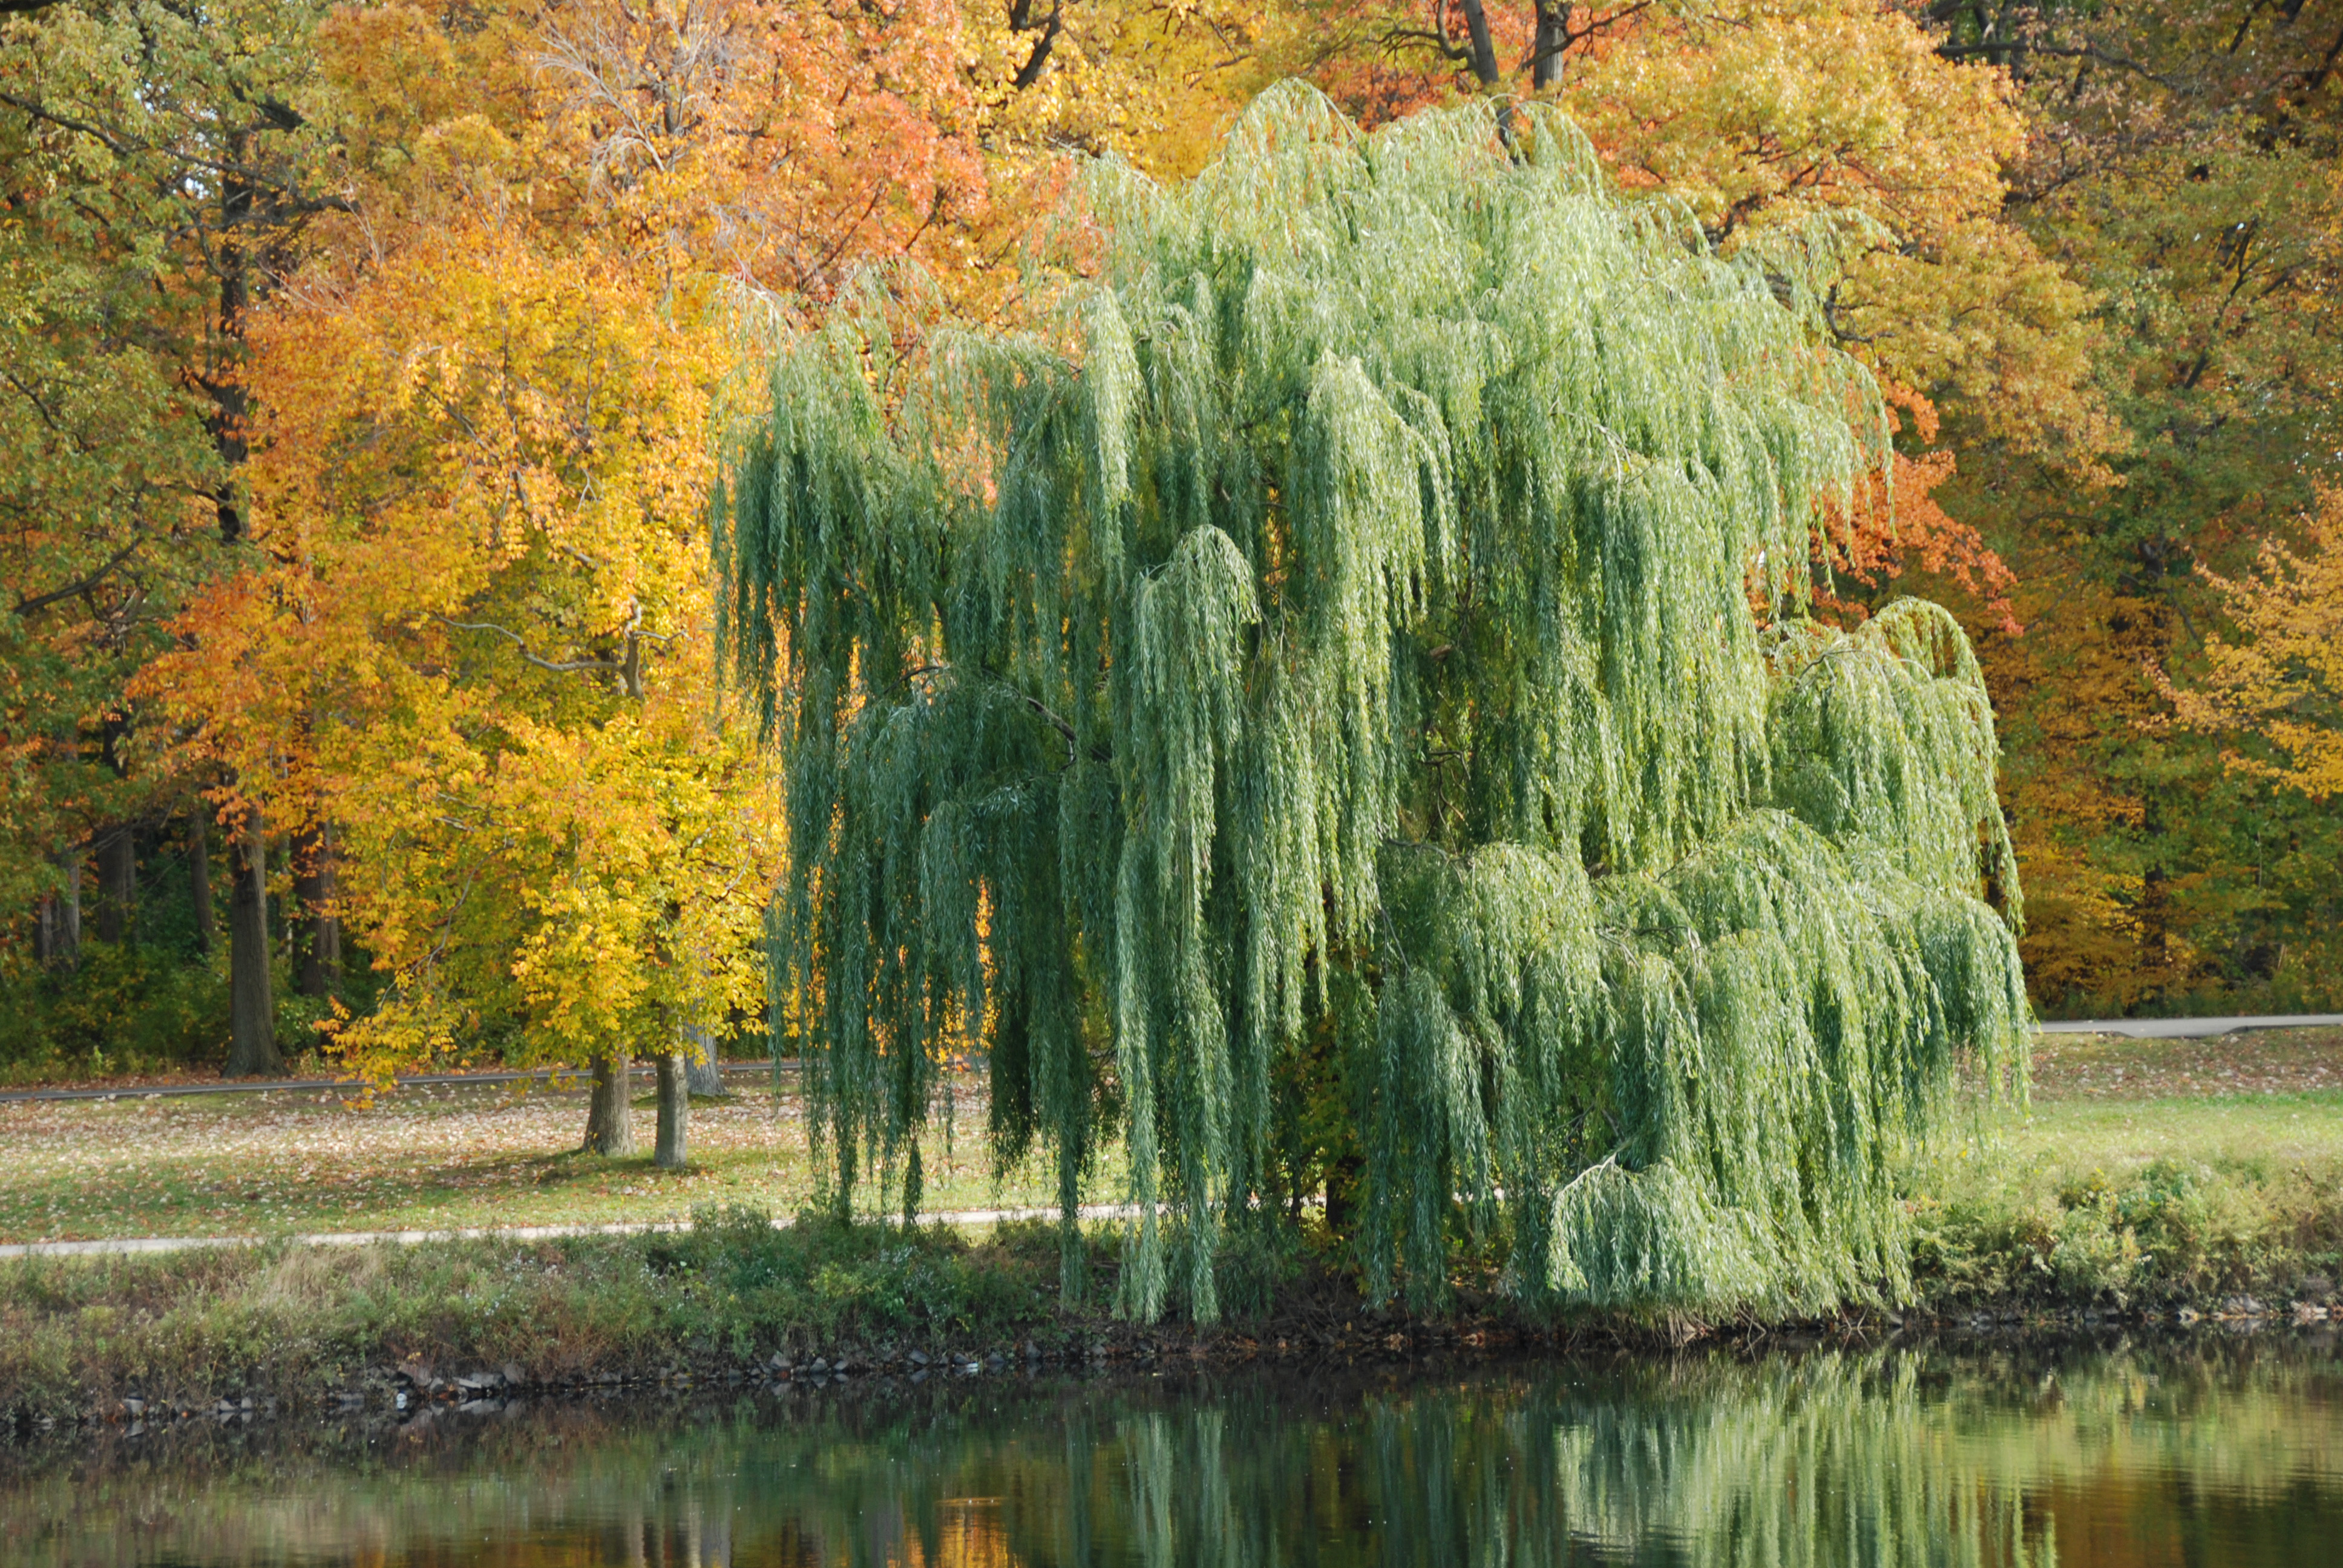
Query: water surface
point(2210, 1453)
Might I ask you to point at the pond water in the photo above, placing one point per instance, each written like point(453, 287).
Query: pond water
point(2211, 1453)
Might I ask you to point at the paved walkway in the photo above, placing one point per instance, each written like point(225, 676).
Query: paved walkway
point(131, 1244)
point(2191, 1028)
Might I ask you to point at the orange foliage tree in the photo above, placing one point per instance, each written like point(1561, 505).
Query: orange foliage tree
point(2185, 161)
point(480, 646)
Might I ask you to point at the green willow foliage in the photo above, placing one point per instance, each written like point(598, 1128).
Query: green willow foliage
point(1336, 625)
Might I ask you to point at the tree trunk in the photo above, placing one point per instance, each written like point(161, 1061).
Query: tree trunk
point(199, 876)
point(609, 1116)
point(117, 880)
point(231, 403)
point(252, 1010)
point(321, 928)
point(1553, 38)
point(1485, 69)
point(699, 1070)
point(56, 941)
point(674, 1110)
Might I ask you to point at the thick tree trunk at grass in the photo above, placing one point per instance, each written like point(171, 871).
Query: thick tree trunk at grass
point(320, 930)
point(252, 1006)
point(609, 1116)
point(674, 1111)
point(199, 877)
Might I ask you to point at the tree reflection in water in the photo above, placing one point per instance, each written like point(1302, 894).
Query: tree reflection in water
point(2216, 1454)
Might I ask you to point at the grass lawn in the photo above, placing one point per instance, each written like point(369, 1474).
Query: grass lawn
point(2146, 1169)
point(2145, 1175)
point(2249, 1105)
point(424, 1159)
point(2263, 1109)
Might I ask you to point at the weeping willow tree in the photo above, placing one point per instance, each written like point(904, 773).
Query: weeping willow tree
point(1363, 613)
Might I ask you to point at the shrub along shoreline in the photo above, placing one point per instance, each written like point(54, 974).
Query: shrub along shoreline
point(735, 1299)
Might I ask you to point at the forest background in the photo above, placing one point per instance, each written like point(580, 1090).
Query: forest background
point(366, 368)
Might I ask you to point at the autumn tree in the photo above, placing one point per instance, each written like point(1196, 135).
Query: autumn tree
point(487, 476)
point(161, 167)
point(2274, 689)
point(2184, 160)
point(1335, 620)
point(479, 650)
point(1154, 81)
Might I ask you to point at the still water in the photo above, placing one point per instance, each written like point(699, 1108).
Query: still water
point(2213, 1453)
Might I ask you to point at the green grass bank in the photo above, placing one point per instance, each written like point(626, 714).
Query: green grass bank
point(2147, 1181)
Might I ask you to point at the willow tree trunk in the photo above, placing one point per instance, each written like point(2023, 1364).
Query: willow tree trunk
point(320, 928)
point(252, 1007)
point(117, 880)
point(199, 877)
point(674, 1110)
point(609, 1116)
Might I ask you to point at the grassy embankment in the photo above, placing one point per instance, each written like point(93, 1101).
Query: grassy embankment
point(2145, 1176)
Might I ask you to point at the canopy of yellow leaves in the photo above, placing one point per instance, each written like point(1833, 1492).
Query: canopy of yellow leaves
point(2279, 678)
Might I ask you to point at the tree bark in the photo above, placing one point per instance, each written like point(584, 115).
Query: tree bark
point(252, 1008)
point(1485, 69)
point(1553, 37)
point(56, 941)
point(199, 877)
point(117, 880)
point(699, 1070)
point(674, 1111)
point(321, 928)
point(231, 404)
point(609, 1116)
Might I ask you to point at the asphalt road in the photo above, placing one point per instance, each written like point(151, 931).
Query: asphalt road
point(2190, 1028)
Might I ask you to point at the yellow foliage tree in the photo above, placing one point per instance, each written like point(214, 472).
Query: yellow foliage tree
point(1155, 81)
point(480, 646)
point(483, 655)
point(2276, 686)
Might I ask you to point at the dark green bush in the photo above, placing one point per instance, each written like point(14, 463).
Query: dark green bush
point(124, 1007)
